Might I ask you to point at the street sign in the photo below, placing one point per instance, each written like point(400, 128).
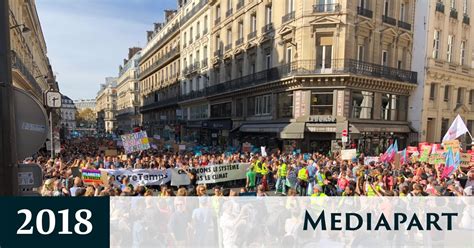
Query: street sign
point(344, 133)
point(53, 99)
point(31, 124)
point(344, 139)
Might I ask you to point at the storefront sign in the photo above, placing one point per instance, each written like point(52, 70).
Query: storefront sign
point(322, 119)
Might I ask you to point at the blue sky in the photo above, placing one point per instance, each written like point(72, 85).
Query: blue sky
point(88, 39)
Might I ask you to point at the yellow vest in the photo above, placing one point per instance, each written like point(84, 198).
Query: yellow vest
point(258, 167)
point(318, 195)
point(283, 170)
point(302, 175)
point(264, 169)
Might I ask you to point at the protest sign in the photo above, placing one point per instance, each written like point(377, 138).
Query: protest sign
point(182, 147)
point(368, 160)
point(412, 149)
point(119, 143)
point(421, 145)
point(263, 151)
point(135, 142)
point(111, 152)
point(91, 176)
point(157, 137)
point(124, 158)
point(437, 158)
point(179, 177)
point(453, 144)
point(425, 153)
point(221, 173)
point(465, 159)
point(348, 154)
point(142, 176)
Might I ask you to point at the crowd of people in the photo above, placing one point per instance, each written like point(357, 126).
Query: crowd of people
point(315, 175)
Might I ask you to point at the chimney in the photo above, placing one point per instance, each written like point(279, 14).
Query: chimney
point(169, 13)
point(149, 35)
point(125, 61)
point(158, 26)
point(132, 51)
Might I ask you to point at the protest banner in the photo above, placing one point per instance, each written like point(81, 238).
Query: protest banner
point(437, 158)
point(453, 144)
point(90, 177)
point(111, 152)
point(368, 160)
point(425, 153)
point(221, 173)
point(465, 159)
point(141, 176)
point(348, 154)
point(421, 145)
point(179, 177)
point(135, 142)
point(412, 149)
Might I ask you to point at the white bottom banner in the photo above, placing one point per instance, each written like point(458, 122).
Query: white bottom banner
point(292, 222)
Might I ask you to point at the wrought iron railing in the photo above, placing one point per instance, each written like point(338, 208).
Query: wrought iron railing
point(440, 7)
point(217, 21)
point(163, 39)
point(159, 62)
point(404, 25)
point(18, 64)
point(365, 12)
point(239, 41)
point(252, 35)
point(204, 63)
point(193, 11)
point(267, 28)
point(453, 14)
point(218, 53)
point(240, 4)
point(389, 20)
point(321, 8)
point(229, 12)
point(228, 47)
point(466, 20)
point(288, 17)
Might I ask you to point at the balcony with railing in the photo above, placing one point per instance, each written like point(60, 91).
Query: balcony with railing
point(239, 41)
point(404, 25)
point(267, 28)
point(252, 35)
point(389, 20)
point(288, 17)
point(440, 7)
point(240, 4)
point(204, 32)
point(228, 47)
point(466, 20)
point(217, 21)
point(204, 63)
point(304, 68)
point(198, 35)
point(453, 14)
point(159, 62)
point(218, 53)
point(324, 8)
point(229, 12)
point(365, 12)
point(17, 64)
point(193, 11)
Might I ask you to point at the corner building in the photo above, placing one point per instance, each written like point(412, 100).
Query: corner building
point(291, 73)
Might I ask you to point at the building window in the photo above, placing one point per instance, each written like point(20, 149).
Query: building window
point(259, 105)
point(362, 104)
point(463, 53)
point(290, 6)
point(360, 52)
point(385, 7)
point(268, 61)
point(268, 14)
point(221, 110)
point(436, 44)
point(218, 12)
point(444, 126)
point(285, 105)
point(239, 107)
point(453, 4)
point(205, 24)
point(241, 30)
point(288, 55)
point(198, 28)
point(229, 36)
point(321, 103)
point(394, 107)
point(324, 52)
point(464, 7)
point(447, 90)
point(384, 58)
point(460, 98)
point(198, 112)
point(471, 96)
point(402, 12)
point(450, 48)
point(253, 23)
point(433, 87)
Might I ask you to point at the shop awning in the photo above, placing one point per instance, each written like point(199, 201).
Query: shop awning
point(263, 127)
point(294, 130)
point(379, 128)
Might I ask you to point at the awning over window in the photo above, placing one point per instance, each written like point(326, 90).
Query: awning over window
point(379, 128)
point(294, 130)
point(284, 130)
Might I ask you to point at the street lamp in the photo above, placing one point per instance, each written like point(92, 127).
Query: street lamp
point(25, 29)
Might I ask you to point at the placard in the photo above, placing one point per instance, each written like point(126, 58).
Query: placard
point(453, 144)
point(368, 160)
point(348, 154)
point(90, 177)
point(425, 153)
point(437, 158)
point(465, 159)
point(135, 142)
point(111, 152)
point(221, 173)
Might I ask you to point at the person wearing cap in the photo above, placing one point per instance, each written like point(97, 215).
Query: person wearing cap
point(303, 180)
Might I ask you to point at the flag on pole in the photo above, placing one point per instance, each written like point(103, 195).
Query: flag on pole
point(456, 129)
point(452, 163)
point(393, 152)
point(384, 156)
point(403, 156)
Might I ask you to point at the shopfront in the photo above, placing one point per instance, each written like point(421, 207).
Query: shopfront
point(217, 131)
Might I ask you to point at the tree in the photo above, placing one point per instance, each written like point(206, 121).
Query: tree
point(85, 117)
